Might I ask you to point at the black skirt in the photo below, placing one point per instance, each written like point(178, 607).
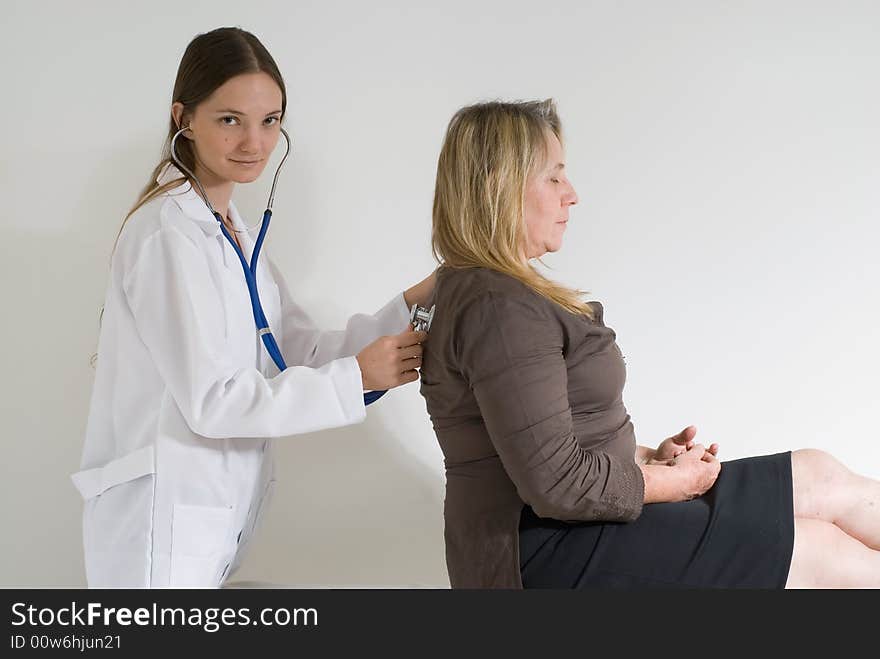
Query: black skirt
point(740, 534)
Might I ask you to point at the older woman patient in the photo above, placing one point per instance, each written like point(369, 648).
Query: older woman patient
point(545, 484)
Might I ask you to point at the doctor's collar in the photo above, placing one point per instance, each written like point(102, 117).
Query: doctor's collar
point(192, 205)
point(169, 173)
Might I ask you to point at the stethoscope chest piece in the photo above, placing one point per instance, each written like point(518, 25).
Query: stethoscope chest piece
point(421, 318)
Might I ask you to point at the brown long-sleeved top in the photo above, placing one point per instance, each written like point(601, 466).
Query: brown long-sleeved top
point(526, 402)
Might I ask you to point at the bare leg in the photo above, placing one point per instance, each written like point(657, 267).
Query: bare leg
point(826, 490)
point(826, 557)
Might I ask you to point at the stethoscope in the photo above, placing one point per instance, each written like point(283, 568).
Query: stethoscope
point(419, 316)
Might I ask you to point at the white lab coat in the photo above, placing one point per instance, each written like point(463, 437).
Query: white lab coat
point(176, 467)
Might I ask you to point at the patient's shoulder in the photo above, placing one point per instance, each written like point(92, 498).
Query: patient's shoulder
point(476, 282)
point(461, 288)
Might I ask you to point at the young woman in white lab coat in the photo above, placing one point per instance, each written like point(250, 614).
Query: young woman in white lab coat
point(176, 467)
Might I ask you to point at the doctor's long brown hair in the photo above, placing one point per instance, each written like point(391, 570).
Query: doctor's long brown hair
point(209, 61)
point(489, 152)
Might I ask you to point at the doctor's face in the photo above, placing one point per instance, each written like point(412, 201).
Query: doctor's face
point(236, 129)
point(547, 199)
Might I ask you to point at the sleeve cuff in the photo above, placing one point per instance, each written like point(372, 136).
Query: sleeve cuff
point(349, 388)
point(632, 490)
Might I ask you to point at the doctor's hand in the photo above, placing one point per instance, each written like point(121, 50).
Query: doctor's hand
point(672, 447)
point(390, 361)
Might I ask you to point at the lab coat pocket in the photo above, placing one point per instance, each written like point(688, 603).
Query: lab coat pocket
point(200, 545)
point(118, 520)
point(117, 530)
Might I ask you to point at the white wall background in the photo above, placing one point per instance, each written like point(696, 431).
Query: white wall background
point(726, 156)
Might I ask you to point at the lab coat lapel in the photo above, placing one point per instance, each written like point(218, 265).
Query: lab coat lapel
point(186, 198)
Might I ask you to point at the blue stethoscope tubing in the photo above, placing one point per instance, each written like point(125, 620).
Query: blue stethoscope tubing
point(250, 269)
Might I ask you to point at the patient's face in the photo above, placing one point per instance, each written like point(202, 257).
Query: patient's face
point(548, 196)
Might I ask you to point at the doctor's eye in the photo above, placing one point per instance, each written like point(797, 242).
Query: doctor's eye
point(228, 120)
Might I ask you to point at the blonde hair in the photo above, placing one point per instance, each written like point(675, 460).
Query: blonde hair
point(489, 153)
